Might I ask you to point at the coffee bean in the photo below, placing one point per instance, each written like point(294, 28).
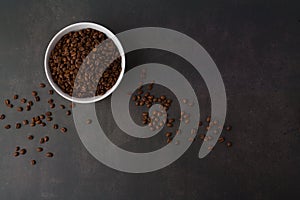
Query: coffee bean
point(55, 126)
point(63, 130)
point(10, 105)
point(169, 125)
point(23, 100)
point(68, 112)
point(228, 128)
point(200, 123)
point(30, 137)
point(46, 138)
point(150, 86)
point(17, 148)
point(48, 113)
point(37, 98)
point(7, 101)
point(51, 92)
point(52, 105)
point(62, 106)
point(19, 109)
point(16, 154)
point(43, 124)
point(221, 139)
point(2, 116)
point(208, 119)
point(49, 154)
point(18, 125)
point(202, 136)
point(32, 124)
point(228, 144)
point(49, 119)
point(23, 151)
point(33, 162)
point(42, 140)
point(42, 85)
point(168, 134)
point(171, 120)
point(89, 121)
point(163, 97)
point(28, 108)
point(16, 96)
point(39, 149)
point(30, 103)
point(50, 101)
point(34, 93)
point(42, 116)
point(169, 140)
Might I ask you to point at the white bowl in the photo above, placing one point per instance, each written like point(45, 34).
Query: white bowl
point(76, 27)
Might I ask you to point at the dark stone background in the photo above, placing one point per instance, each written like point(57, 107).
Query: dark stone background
point(255, 45)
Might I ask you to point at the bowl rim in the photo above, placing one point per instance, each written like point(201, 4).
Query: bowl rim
point(74, 27)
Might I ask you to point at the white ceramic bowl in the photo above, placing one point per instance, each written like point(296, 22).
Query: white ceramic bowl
point(76, 27)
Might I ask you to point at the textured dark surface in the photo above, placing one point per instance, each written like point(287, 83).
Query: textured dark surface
point(255, 45)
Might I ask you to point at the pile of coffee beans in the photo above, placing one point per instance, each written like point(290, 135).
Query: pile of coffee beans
point(94, 54)
point(42, 119)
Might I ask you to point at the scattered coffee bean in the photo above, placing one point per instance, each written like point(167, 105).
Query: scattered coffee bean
point(16, 154)
point(10, 105)
point(52, 105)
point(89, 121)
point(42, 140)
point(32, 124)
point(49, 119)
point(42, 85)
point(169, 140)
point(169, 125)
point(208, 119)
point(51, 92)
point(55, 126)
point(50, 101)
point(7, 101)
point(49, 155)
point(62, 106)
point(33, 162)
point(43, 124)
point(221, 139)
point(39, 149)
point(23, 151)
point(25, 122)
point(34, 93)
point(37, 98)
point(19, 109)
point(30, 103)
point(2, 116)
point(200, 123)
point(48, 113)
point(63, 130)
point(42, 116)
point(68, 112)
point(28, 108)
point(168, 134)
point(18, 125)
point(30, 137)
point(16, 96)
point(23, 100)
point(17, 148)
point(228, 144)
point(46, 138)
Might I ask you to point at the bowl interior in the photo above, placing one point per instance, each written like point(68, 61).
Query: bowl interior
point(76, 27)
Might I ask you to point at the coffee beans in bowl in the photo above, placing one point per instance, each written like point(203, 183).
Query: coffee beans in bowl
point(84, 62)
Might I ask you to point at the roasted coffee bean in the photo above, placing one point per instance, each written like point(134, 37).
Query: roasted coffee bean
point(42, 140)
point(168, 134)
point(200, 123)
point(42, 85)
point(68, 112)
point(28, 108)
point(169, 125)
point(49, 154)
point(50, 101)
point(52, 105)
point(32, 124)
point(51, 92)
point(46, 138)
point(25, 122)
point(38, 121)
point(163, 97)
point(37, 98)
point(16, 96)
point(43, 124)
point(37, 118)
point(16, 154)
point(62, 106)
point(48, 113)
point(39, 149)
point(228, 144)
point(30, 103)
point(10, 105)
point(30, 137)
point(169, 140)
point(49, 119)
point(89, 121)
point(150, 86)
point(55, 126)
point(7, 101)
point(33, 162)
point(34, 93)
point(19, 109)
point(171, 120)
point(140, 92)
point(63, 130)
point(17, 148)
point(208, 119)
point(202, 136)
point(23, 151)
point(228, 128)
point(2, 116)
point(18, 125)
point(42, 116)
point(23, 100)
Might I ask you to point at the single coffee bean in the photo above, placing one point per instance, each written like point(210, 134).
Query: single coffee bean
point(39, 149)
point(17, 148)
point(33, 162)
point(23, 151)
point(16, 154)
point(171, 120)
point(228, 144)
point(2, 116)
point(46, 138)
point(37, 118)
point(169, 140)
point(42, 140)
point(208, 119)
point(49, 119)
point(32, 124)
point(19, 109)
point(18, 125)
point(10, 105)
point(30, 137)
point(134, 98)
point(50, 101)
point(25, 122)
point(51, 92)
point(68, 112)
point(62, 106)
point(89, 121)
point(48, 113)
point(168, 134)
point(163, 97)
point(55, 126)
point(140, 92)
point(28, 108)
point(42, 116)
point(37, 98)
point(228, 128)
point(34, 93)
point(43, 124)
point(52, 105)
point(150, 86)
point(63, 130)
point(42, 85)
point(49, 154)
point(23, 100)
point(221, 139)
point(30, 103)
point(16, 96)
point(7, 101)
point(169, 124)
